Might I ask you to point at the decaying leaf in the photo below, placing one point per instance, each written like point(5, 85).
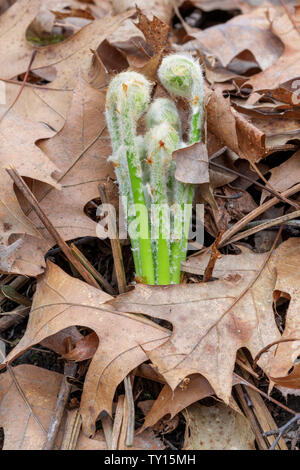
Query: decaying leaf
point(80, 152)
point(249, 34)
point(25, 427)
point(285, 175)
point(171, 402)
point(287, 261)
point(210, 324)
point(62, 301)
point(281, 77)
point(17, 137)
point(217, 427)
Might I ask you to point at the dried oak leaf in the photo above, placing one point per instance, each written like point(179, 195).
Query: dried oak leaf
point(251, 137)
point(80, 151)
point(61, 301)
point(287, 260)
point(212, 320)
point(217, 427)
point(280, 78)
point(67, 58)
point(250, 33)
point(40, 387)
point(17, 138)
point(171, 402)
point(285, 175)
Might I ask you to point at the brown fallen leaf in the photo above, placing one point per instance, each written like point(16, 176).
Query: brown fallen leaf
point(217, 427)
point(84, 348)
point(26, 428)
point(287, 262)
point(211, 321)
point(249, 33)
point(171, 402)
point(61, 301)
point(17, 137)
point(250, 137)
point(67, 58)
point(80, 151)
point(145, 441)
point(192, 164)
point(285, 175)
point(280, 78)
point(290, 381)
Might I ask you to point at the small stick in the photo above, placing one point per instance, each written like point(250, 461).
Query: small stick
point(88, 266)
point(117, 423)
point(12, 294)
point(72, 430)
point(255, 213)
point(250, 385)
point(280, 431)
point(22, 186)
point(115, 244)
point(234, 172)
point(215, 254)
point(107, 425)
point(256, 169)
point(131, 411)
point(263, 226)
point(14, 318)
point(62, 400)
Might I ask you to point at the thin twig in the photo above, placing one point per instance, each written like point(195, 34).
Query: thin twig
point(281, 431)
point(115, 243)
point(214, 255)
point(268, 184)
point(248, 384)
point(85, 262)
point(234, 172)
point(263, 226)
point(131, 411)
point(62, 400)
point(117, 423)
point(22, 186)
point(254, 214)
point(22, 86)
point(14, 318)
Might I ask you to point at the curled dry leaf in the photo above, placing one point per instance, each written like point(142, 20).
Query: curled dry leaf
point(61, 301)
point(287, 260)
point(192, 164)
point(84, 348)
point(285, 175)
point(22, 430)
point(217, 427)
point(171, 402)
point(250, 137)
point(211, 321)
